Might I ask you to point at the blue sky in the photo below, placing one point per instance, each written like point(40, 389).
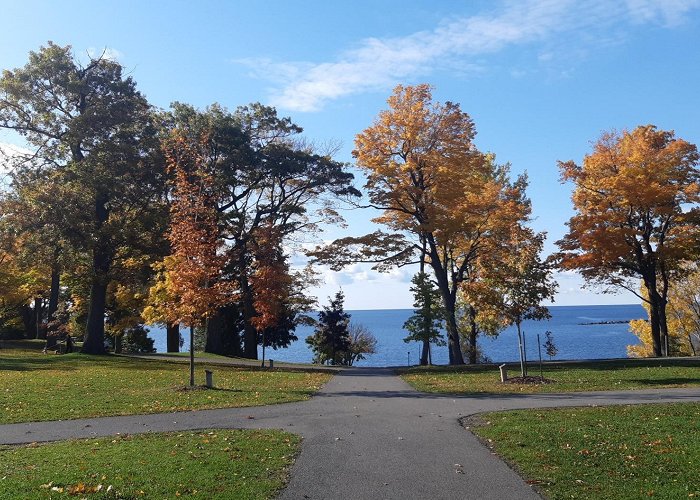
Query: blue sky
point(540, 78)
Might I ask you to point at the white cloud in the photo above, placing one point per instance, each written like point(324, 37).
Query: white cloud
point(108, 53)
point(379, 63)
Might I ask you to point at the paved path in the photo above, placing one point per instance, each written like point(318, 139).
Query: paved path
point(367, 434)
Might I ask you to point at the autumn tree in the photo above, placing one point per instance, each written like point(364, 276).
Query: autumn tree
point(524, 281)
point(437, 193)
point(265, 175)
point(92, 135)
point(683, 310)
point(195, 266)
point(635, 198)
point(270, 282)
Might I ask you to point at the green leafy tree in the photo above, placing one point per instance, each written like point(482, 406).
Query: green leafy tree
point(426, 322)
point(331, 338)
point(265, 175)
point(93, 135)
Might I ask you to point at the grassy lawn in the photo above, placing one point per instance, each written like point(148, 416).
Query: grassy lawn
point(51, 387)
point(206, 464)
point(615, 452)
point(568, 377)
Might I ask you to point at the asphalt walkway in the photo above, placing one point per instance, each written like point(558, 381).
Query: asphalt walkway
point(367, 434)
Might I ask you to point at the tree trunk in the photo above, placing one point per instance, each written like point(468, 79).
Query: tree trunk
point(173, 337)
point(101, 262)
point(424, 352)
point(38, 303)
point(250, 335)
point(449, 301)
point(28, 318)
point(521, 349)
point(663, 328)
point(215, 333)
point(95, 330)
point(455, 350)
point(191, 356)
point(472, 336)
point(654, 312)
point(55, 286)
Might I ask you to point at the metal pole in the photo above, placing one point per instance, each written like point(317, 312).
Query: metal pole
point(408, 362)
point(539, 350)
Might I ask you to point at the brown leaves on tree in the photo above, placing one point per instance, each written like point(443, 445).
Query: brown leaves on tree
point(194, 269)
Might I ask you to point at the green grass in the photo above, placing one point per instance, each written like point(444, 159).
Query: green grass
point(205, 464)
point(568, 377)
point(601, 453)
point(52, 387)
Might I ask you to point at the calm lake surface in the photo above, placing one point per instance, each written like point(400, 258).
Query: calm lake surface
point(574, 336)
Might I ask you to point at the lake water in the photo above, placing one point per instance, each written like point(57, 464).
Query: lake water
point(574, 336)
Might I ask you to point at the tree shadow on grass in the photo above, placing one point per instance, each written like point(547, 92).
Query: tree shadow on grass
point(669, 381)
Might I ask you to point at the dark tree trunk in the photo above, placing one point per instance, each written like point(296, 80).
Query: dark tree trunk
point(38, 309)
point(101, 262)
point(28, 320)
point(663, 328)
point(55, 286)
point(95, 330)
point(173, 337)
point(424, 355)
point(250, 335)
point(472, 336)
point(449, 298)
point(654, 312)
point(455, 350)
point(223, 332)
point(216, 327)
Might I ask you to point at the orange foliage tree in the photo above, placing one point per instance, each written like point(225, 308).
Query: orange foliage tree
point(194, 268)
point(270, 281)
point(437, 192)
point(634, 197)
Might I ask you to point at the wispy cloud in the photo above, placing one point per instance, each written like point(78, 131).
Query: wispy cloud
point(379, 63)
point(108, 53)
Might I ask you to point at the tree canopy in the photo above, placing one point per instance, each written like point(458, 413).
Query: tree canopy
point(635, 198)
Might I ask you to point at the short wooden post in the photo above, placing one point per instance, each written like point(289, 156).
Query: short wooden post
point(504, 372)
point(209, 378)
point(272, 364)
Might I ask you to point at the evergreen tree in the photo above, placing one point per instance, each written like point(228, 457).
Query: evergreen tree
point(427, 319)
point(331, 338)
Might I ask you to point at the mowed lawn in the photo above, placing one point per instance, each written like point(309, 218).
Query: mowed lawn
point(39, 386)
point(566, 377)
point(202, 464)
point(620, 452)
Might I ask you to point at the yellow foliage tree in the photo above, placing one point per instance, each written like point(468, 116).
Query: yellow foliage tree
point(683, 321)
point(632, 219)
point(441, 196)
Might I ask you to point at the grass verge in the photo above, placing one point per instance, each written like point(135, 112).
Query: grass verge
point(206, 464)
point(51, 387)
point(616, 452)
point(567, 376)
